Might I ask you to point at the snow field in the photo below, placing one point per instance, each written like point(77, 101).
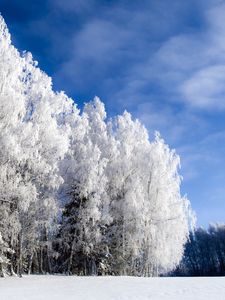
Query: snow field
point(46, 287)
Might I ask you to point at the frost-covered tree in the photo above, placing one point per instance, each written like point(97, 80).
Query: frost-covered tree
point(4, 261)
point(85, 213)
point(81, 194)
point(33, 139)
point(167, 213)
point(149, 225)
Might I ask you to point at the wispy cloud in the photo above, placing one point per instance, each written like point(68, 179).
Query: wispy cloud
point(194, 64)
point(113, 44)
point(187, 66)
point(205, 88)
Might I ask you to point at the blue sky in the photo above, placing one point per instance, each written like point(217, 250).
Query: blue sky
point(164, 61)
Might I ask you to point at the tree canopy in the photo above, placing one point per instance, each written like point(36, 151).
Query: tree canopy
point(80, 193)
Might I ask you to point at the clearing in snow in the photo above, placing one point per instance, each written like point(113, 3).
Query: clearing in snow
point(42, 287)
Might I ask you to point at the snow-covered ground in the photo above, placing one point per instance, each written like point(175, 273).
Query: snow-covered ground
point(111, 288)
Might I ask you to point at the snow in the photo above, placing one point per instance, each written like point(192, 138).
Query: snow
point(44, 287)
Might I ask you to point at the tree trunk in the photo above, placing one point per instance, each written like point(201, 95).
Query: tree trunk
point(30, 263)
point(71, 257)
point(20, 255)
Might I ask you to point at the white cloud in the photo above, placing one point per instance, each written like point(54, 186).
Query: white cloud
point(119, 37)
point(192, 66)
point(206, 88)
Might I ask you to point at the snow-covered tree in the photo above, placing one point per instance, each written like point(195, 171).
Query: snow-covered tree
point(90, 195)
point(85, 213)
point(150, 222)
point(4, 261)
point(33, 139)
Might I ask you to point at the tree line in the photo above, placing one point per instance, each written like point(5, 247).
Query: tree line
point(204, 253)
point(80, 193)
